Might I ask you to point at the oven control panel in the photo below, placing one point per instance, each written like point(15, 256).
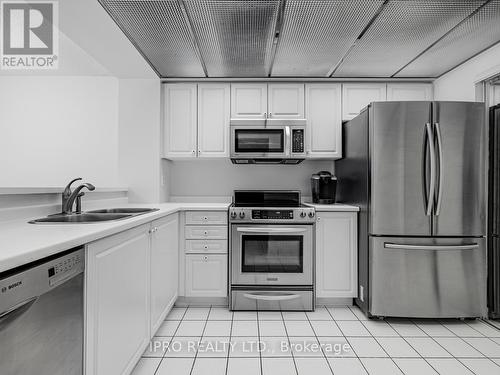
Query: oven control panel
point(276, 215)
point(272, 214)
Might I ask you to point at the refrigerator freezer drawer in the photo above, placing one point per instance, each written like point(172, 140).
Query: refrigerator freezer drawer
point(428, 277)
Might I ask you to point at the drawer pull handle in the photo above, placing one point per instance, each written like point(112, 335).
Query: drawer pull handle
point(271, 296)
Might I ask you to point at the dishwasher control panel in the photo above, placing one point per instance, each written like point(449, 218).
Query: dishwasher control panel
point(65, 267)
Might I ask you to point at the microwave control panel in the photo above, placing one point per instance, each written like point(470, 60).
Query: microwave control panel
point(298, 141)
point(272, 214)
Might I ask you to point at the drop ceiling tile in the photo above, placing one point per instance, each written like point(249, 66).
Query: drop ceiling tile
point(159, 31)
point(316, 34)
point(402, 30)
point(471, 37)
point(235, 37)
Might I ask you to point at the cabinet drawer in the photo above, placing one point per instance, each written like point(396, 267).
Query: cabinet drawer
point(206, 217)
point(194, 232)
point(206, 246)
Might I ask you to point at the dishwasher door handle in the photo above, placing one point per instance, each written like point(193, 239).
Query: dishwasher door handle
point(24, 305)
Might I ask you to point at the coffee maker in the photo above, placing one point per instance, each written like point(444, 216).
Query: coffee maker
point(324, 187)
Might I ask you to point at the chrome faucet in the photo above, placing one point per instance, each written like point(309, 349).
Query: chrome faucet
point(69, 197)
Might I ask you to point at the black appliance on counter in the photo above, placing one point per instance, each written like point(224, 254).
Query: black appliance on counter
point(324, 187)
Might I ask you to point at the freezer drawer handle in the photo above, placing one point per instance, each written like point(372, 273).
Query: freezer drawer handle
point(271, 296)
point(271, 230)
point(431, 247)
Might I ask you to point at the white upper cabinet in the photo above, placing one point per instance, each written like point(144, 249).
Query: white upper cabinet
point(213, 119)
point(409, 91)
point(249, 100)
point(356, 96)
point(285, 100)
point(180, 121)
point(324, 121)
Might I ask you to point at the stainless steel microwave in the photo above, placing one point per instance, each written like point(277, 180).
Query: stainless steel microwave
point(276, 142)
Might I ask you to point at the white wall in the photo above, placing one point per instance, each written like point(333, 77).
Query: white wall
point(56, 128)
point(217, 179)
point(139, 140)
point(459, 84)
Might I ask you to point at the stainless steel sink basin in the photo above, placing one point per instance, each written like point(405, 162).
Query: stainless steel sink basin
point(81, 218)
point(132, 210)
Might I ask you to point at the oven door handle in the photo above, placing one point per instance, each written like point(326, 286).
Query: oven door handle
point(272, 230)
point(271, 296)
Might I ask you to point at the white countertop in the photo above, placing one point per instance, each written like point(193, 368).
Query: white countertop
point(21, 243)
point(337, 207)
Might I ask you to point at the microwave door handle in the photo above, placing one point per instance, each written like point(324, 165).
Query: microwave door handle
point(287, 141)
point(271, 230)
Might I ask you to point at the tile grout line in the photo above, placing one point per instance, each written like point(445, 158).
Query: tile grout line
point(289, 344)
point(199, 341)
point(258, 340)
point(319, 342)
point(171, 338)
point(229, 343)
point(411, 346)
point(345, 337)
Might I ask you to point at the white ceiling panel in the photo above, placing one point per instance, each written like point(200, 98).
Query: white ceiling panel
point(235, 37)
point(402, 30)
point(469, 38)
point(317, 34)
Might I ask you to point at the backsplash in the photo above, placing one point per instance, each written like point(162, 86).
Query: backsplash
point(215, 180)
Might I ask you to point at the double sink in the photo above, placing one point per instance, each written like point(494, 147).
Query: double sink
point(94, 216)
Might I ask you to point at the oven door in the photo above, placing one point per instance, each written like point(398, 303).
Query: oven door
point(260, 142)
point(272, 254)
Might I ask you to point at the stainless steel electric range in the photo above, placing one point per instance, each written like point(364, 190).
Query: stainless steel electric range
point(271, 256)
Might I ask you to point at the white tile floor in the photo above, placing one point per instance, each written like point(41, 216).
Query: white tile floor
point(331, 340)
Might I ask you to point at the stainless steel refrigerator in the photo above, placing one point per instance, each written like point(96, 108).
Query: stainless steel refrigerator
point(494, 215)
point(417, 171)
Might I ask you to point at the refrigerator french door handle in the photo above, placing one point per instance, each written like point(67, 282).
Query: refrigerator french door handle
point(440, 156)
point(432, 184)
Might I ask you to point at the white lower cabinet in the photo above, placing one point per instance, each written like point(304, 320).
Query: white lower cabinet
point(164, 268)
point(131, 285)
point(206, 275)
point(117, 302)
point(336, 255)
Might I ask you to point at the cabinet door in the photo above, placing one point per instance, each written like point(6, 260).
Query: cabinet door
point(180, 121)
point(206, 275)
point(117, 302)
point(249, 100)
point(336, 255)
point(356, 96)
point(164, 268)
point(286, 100)
point(213, 120)
point(324, 121)
point(409, 91)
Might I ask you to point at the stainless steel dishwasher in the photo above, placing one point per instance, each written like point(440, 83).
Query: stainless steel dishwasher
point(41, 316)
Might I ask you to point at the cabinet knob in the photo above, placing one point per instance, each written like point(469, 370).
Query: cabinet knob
point(205, 258)
point(194, 152)
point(205, 218)
point(205, 233)
point(205, 247)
